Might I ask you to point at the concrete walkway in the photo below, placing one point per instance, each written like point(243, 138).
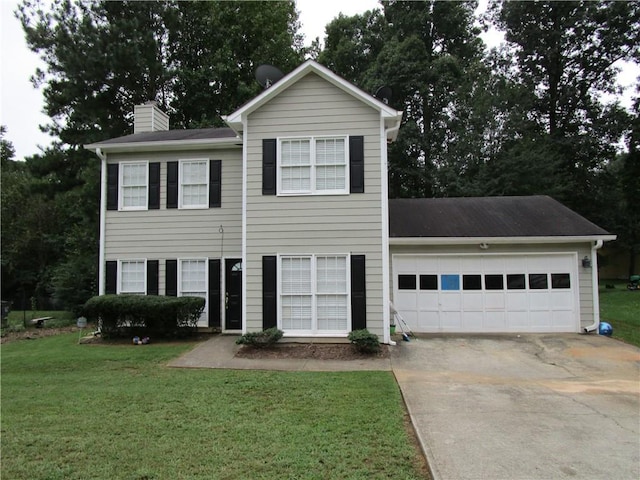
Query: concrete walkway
point(219, 352)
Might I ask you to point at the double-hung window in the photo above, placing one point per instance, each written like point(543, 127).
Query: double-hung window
point(194, 184)
point(313, 165)
point(134, 186)
point(132, 275)
point(193, 280)
point(314, 294)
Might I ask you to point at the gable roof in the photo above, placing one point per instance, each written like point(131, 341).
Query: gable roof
point(392, 117)
point(506, 218)
point(196, 137)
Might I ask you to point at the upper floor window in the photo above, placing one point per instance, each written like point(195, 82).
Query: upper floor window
point(194, 184)
point(313, 165)
point(134, 186)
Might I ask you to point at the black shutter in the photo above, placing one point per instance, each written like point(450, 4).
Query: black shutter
point(172, 184)
point(111, 285)
point(214, 293)
point(269, 166)
point(152, 277)
point(112, 186)
point(215, 183)
point(356, 164)
point(358, 293)
point(171, 278)
point(154, 186)
point(269, 292)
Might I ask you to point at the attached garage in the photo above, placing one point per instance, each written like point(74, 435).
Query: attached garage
point(496, 264)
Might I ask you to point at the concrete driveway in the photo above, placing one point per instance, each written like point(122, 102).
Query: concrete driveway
point(524, 407)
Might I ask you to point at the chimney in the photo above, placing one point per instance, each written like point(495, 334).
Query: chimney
point(149, 118)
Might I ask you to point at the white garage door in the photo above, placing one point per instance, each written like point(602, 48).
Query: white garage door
point(487, 293)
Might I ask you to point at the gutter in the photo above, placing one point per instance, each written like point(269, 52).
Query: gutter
point(594, 286)
point(103, 220)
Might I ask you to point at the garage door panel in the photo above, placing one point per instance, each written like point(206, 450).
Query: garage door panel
point(473, 302)
point(496, 321)
point(540, 320)
point(539, 301)
point(517, 302)
point(488, 292)
point(517, 321)
point(450, 302)
point(473, 321)
point(494, 301)
point(427, 321)
point(451, 321)
point(561, 300)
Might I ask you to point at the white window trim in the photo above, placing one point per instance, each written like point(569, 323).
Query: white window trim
point(312, 165)
point(121, 206)
point(314, 332)
point(181, 163)
point(119, 276)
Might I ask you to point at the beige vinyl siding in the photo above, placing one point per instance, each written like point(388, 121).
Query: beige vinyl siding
point(180, 233)
point(322, 224)
point(585, 290)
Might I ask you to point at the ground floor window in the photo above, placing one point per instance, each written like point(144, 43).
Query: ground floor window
point(193, 280)
point(314, 294)
point(132, 277)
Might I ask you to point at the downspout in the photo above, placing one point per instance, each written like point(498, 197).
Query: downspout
point(103, 220)
point(594, 287)
point(386, 300)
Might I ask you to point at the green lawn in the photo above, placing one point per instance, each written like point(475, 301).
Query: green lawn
point(621, 308)
point(74, 411)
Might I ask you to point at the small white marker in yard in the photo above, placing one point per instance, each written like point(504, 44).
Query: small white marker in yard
point(81, 323)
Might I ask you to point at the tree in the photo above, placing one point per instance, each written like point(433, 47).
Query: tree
point(566, 55)
point(352, 45)
point(428, 47)
point(102, 58)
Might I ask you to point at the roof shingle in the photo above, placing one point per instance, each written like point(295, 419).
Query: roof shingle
point(531, 216)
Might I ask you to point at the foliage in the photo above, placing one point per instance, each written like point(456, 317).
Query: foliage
point(214, 49)
point(264, 338)
point(90, 395)
point(149, 315)
point(364, 341)
point(566, 55)
point(197, 58)
point(619, 307)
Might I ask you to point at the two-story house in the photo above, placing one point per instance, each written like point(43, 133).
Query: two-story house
point(283, 219)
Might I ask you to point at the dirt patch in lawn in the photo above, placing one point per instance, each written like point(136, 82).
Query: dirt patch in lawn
point(35, 333)
point(318, 351)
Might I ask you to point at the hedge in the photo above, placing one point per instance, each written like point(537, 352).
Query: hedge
point(152, 315)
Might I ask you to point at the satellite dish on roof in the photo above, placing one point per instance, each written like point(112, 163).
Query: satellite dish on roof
point(267, 75)
point(383, 94)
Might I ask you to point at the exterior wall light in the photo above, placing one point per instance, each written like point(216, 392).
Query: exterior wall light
point(586, 262)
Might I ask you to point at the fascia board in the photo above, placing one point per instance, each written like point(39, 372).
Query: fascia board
point(497, 240)
point(234, 120)
point(168, 145)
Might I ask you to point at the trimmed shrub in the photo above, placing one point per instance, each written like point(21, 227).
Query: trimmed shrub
point(261, 339)
point(364, 341)
point(152, 315)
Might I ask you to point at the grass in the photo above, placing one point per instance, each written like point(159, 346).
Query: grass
point(74, 411)
point(621, 308)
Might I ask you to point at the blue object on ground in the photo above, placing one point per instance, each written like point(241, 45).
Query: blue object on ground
point(605, 329)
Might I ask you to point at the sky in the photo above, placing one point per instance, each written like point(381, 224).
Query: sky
point(21, 104)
